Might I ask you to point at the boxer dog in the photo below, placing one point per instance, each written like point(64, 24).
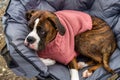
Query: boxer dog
point(64, 35)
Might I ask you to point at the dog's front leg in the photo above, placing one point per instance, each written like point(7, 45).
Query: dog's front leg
point(73, 66)
point(48, 61)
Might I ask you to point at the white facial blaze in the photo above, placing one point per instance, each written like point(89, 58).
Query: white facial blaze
point(36, 22)
point(35, 35)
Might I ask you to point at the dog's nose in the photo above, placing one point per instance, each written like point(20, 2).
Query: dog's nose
point(31, 39)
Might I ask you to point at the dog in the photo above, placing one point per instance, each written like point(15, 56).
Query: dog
point(91, 37)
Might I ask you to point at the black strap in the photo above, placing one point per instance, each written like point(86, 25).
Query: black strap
point(50, 77)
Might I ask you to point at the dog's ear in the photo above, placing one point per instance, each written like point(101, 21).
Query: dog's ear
point(56, 23)
point(60, 27)
point(28, 14)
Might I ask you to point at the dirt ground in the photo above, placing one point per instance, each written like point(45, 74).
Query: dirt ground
point(5, 72)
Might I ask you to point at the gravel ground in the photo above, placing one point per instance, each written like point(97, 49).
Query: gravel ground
point(5, 72)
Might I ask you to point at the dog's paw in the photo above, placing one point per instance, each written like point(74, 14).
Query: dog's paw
point(48, 62)
point(82, 65)
point(74, 74)
point(86, 74)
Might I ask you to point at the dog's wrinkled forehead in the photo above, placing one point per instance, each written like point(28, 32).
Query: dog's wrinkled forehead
point(35, 21)
point(46, 19)
point(38, 19)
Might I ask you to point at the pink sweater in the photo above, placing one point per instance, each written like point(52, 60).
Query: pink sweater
point(61, 48)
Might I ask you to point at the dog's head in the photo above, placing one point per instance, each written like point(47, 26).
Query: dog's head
point(44, 26)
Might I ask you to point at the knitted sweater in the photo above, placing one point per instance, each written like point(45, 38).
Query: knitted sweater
point(61, 48)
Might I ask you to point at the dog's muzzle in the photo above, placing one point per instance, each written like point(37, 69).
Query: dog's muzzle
point(31, 39)
point(31, 42)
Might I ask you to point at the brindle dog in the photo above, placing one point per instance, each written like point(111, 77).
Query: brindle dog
point(97, 44)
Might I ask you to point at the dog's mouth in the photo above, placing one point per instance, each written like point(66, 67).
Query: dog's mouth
point(37, 47)
point(27, 44)
point(31, 46)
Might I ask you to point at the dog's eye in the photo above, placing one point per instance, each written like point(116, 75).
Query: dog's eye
point(42, 32)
